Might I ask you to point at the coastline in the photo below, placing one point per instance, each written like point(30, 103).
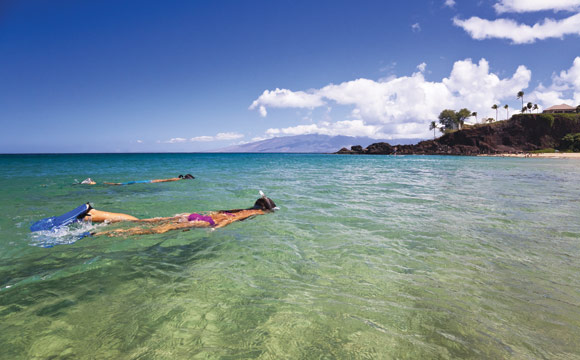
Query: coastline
point(540, 155)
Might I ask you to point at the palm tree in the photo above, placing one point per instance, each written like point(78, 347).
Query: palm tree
point(524, 109)
point(433, 126)
point(521, 96)
point(506, 107)
point(495, 107)
point(535, 107)
point(529, 106)
point(474, 114)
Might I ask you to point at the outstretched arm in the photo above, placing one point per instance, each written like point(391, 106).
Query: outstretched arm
point(224, 218)
point(160, 229)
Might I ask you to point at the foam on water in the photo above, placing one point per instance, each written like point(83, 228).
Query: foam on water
point(63, 235)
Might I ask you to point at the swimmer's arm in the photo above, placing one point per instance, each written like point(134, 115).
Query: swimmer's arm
point(225, 218)
point(156, 219)
point(154, 230)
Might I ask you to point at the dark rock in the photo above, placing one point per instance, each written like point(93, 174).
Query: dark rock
point(521, 133)
point(345, 151)
point(381, 148)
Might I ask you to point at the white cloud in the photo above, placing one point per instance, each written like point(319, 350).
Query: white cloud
point(139, 141)
point(219, 137)
point(285, 98)
point(450, 3)
point(520, 6)
point(260, 138)
point(404, 106)
point(421, 67)
point(346, 127)
point(228, 136)
point(565, 88)
point(263, 111)
point(201, 139)
point(416, 27)
point(520, 33)
point(480, 29)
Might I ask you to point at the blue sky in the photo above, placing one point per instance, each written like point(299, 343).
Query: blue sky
point(139, 76)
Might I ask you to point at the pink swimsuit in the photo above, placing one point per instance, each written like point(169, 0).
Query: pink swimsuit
point(198, 217)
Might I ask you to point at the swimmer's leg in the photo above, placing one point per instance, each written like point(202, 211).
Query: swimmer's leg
point(97, 216)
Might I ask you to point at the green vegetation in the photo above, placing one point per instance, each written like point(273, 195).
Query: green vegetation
point(545, 121)
point(453, 120)
point(544, 151)
point(569, 117)
point(474, 114)
point(495, 107)
point(521, 96)
point(529, 107)
point(571, 142)
point(433, 126)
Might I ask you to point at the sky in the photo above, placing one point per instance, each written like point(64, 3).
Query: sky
point(187, 76)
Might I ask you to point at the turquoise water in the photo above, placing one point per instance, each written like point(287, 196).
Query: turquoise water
point(371, 257)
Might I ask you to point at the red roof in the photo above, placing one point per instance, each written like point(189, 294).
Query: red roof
point(561, 107)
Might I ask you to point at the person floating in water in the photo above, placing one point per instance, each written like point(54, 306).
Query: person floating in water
point(160, 225)
point(89, 181)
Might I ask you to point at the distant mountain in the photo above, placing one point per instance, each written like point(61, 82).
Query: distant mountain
point(309, 144)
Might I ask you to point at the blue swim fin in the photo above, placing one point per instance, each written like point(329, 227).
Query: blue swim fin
point(62, 220)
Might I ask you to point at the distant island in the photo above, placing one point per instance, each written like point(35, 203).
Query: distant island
point(522, 133)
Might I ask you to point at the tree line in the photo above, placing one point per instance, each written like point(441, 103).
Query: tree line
point(454, 120)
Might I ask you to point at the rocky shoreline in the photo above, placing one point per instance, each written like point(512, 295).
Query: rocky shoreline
point(521, 134)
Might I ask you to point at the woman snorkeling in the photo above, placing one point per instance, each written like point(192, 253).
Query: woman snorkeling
point(89, 181)
point(160, 225)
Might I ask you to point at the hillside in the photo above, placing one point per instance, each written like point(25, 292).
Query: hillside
point(521, 133)
point(306, 144)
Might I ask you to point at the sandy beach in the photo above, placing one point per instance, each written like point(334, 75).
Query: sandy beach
point(542, 155)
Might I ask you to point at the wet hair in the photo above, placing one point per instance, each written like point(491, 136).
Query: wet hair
point(264, 203)
point(188, 176)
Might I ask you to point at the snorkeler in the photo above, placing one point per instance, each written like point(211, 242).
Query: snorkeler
point(89, 181)
point(214, 219)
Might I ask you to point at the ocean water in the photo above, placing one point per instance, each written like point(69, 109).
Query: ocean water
point(368, 257)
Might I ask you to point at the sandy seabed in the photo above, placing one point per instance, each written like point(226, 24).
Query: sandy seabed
point(542, 155)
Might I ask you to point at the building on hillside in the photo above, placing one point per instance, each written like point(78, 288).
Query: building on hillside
point(559, 109)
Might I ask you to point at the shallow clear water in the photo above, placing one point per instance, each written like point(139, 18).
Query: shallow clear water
point(368, 257)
